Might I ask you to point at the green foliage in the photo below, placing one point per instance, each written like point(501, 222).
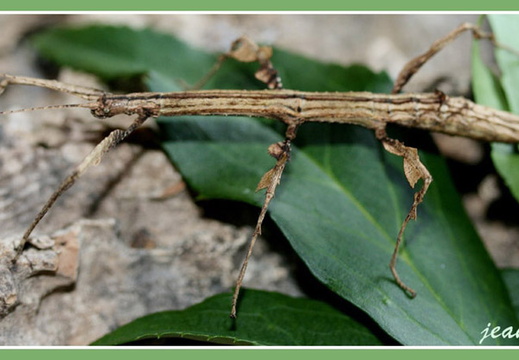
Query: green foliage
point(511, 277)
point(265, 319)
point(501, 93)
point(340, 203)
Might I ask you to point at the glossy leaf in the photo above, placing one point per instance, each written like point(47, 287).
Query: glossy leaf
point(265, 318)
point(342, 219)
point(504, 156)
point(511, 277)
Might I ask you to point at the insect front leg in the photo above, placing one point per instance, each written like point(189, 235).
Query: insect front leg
point(76, 90)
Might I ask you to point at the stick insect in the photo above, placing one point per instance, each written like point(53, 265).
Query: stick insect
point(430, 111)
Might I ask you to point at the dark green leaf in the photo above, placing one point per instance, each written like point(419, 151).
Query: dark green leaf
point(265, 318)
point(112, 52)
point(511, 277)
point(342, 221)
point(341, 203)
point(505, 28)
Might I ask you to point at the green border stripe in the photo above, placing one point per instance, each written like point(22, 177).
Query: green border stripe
point(259, 354)
point(264, 5)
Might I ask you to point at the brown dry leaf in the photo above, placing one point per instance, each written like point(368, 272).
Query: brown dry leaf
point(266, 179)
point(244, 50)
point(414, 170)
point(413, 166)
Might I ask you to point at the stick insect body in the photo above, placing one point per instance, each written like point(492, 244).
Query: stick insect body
point(429, 111)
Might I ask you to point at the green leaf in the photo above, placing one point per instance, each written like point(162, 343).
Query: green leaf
point(505, 28)
point(113, 52)
point(265, 318)
point(340, 204)
point(501, 93)
point(342, 221)
point(511, 277)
